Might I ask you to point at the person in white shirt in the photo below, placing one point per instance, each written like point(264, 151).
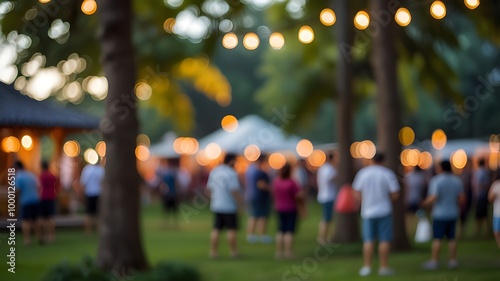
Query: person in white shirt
point(91, 179)
point(376, 186)
point(326, 196)
point(494, 196)
point(225, 199)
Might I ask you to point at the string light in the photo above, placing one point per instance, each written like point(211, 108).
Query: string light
point(277, 41)
point(89, 7)
point(306, 34)
point(403, 17)
point(230, 41)
point(362, 20)
point(327, 17)
point(251, 41)
point(438, 10)
point(472, 4)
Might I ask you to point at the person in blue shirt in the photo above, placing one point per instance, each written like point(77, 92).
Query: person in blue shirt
point(258, 198)
point(167, 174)
point(28, 186)
point(446, 194)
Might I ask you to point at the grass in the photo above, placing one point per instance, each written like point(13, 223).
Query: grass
point(479, 260)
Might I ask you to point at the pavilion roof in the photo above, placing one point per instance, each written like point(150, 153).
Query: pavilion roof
point(20, 110)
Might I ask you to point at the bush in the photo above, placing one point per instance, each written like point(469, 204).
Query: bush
point(87, 270)
point(171, 271)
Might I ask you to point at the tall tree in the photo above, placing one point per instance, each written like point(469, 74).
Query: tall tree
point(120, 246)
point(384, 60)
point(347, 229)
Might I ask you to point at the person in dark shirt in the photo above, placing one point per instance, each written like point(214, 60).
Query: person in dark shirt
point(259, 200)
point(167, 174)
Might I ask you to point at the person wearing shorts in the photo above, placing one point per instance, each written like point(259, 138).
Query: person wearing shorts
point(494, 196)
point(91, 179)
point(28, 185)
point(446, 194)
point(225, 197)
point(258, 197)
point(376, 186)
point(48, 183)
point(287, 194)
point(326, 196)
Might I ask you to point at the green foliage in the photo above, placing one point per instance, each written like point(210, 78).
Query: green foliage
point(171, 271)
point(87, 270)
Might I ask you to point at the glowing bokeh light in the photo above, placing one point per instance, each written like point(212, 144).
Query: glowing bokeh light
point(276, 41)
point(277, 160)
point(438, 10)
point(252, 152)
point(251, 41)
point(229, 123)
point(327, 17)
point(406, 136)
point(425, 160)
point(367, 149)
point(472, 4)
point(168, 25)
point(362, 20)
point(71, 148)
point(306, 34)
point(403, 17)
point(413, 157)
point(142, 153)
point(459, 159)
point(189, 146)
point(10, 144)
point(100, 148)
point(230, 40)
point(91, 156)
point(438, 139)
point(27, 142)
point(213, 151)
point(317, 158)
point(304, 148)
point(355, 150)
point(89, 7)
point(143, 91)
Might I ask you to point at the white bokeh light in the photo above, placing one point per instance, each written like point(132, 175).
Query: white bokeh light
point(45, 82)
point(173, 3)
point(190, 26)
point(215, 8)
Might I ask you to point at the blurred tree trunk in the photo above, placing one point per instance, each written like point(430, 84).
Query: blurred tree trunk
point(384, 59)
point(120, 246)
point(347, 228)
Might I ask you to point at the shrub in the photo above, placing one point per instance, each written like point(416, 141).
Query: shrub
point(171, 271)
point(87, 270)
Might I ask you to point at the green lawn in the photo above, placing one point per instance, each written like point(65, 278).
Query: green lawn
point(479, 260)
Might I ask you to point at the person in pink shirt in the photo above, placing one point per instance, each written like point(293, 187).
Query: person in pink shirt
point(48, 191)
point(286, 197)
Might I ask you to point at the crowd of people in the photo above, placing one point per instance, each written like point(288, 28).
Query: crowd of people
point(286, 190)
point(38, 200)
point(375, 186)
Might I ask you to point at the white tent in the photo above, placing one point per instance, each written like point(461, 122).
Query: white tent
point(471, 147)
point(252, 129)
point(165, 148)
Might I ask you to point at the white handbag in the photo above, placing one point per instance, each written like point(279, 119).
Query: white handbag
point(424, 230)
